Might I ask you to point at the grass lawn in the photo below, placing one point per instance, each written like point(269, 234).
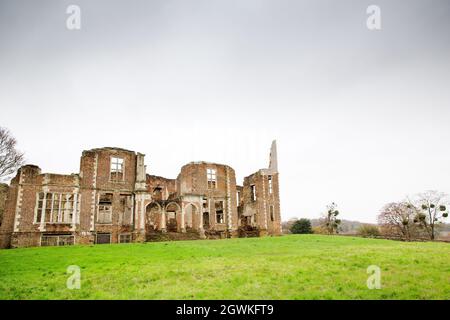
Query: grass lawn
point(288, 267)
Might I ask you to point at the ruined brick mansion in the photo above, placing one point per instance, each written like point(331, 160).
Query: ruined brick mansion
point(113, 200)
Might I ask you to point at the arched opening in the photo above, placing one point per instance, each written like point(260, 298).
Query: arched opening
point(172, 211)
point(190, 212)
point(152, 217)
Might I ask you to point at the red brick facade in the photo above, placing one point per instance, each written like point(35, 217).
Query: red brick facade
point(113, 200)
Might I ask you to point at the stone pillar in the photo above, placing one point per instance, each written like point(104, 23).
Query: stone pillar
point(200, 219)
point(183, 226)
point(228, 201)
point(263, 178)
point(17, 209)
point(140, 197)
point(140, 173)
point(163, 221)
point(139, 217)
point(200, 229)
point(142, 223)
point(133, 199)
point(74, 212)
point(137, 213)
point(140, 212)
point(44, 205)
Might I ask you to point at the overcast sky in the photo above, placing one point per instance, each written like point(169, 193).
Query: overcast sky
point(361, 117)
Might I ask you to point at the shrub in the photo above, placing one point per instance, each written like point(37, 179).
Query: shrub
point(319, 230)
point(368, 230)
point(301, 226)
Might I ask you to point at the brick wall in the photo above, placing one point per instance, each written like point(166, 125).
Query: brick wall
point(190, 189)
point(3, 194)
point(193, 180)
point(161, 188)
point(6, 229)
point(265, 202)
point(96, 179)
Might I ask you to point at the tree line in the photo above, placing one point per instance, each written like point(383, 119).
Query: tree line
point(416, 217)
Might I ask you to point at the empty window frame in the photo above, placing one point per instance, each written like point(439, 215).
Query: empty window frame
point(39, 207)
point(205, 204)
point(253, 192)
point(57, 240)
point(126, 209)
point(125, 238)
point(205, 210)
point(238, 198)
point(270, 184)
point(59, 207)
point(117, 169)
point(206, 220)
point(212, 178)
point(271, 213)
point(219, 211)
point(103, 238)
point(105, 208)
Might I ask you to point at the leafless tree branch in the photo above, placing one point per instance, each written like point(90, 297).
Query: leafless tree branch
point(10, 158)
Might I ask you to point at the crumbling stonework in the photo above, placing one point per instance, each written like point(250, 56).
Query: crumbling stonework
point(113, 200)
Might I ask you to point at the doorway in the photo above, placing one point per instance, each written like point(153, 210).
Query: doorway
point(205, 220)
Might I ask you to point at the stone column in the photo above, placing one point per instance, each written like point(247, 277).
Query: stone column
point(140, 197)
point(228, 202)
point(142, 223)
point(139, 217)
point(74, 211)
point(18, 202)
point(200, 219)
point(44, 205)
point(183, 226)
point(140, 172)
point(200, 229)
point(163, 221)
point(263, 177)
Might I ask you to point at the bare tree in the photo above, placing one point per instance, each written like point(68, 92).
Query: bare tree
point(330, 221)
point(432, 210)
point(10, 157)
point(397, 219)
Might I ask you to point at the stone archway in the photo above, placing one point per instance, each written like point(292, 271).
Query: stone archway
point(191, 216)
point(172, 218)
point(153, 213)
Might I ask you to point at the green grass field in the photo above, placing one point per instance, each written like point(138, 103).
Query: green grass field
point(288, 267)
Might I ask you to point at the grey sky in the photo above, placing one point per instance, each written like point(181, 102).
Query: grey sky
point(361, 117)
